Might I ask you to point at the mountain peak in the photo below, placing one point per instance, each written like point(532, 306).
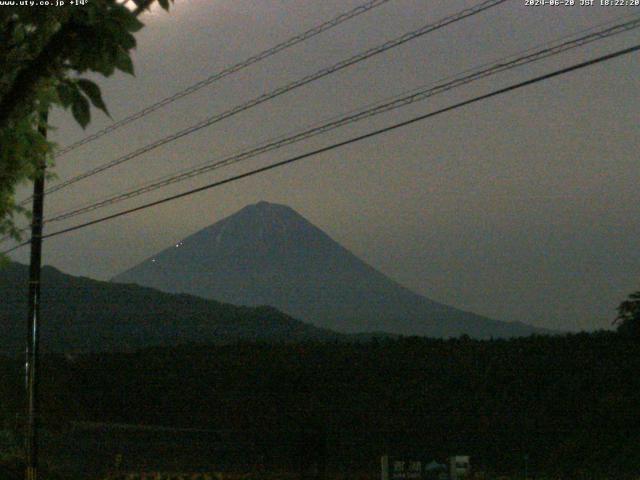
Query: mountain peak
point(258, 229)
point(268, 254)
point(266, 209)
point(264, 205)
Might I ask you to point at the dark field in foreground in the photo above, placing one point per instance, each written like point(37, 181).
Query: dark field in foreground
point(569, 403)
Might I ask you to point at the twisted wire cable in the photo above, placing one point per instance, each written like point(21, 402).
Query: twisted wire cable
point(396, 103)
point(334, 22)
point(485, 5)
point(352, 140)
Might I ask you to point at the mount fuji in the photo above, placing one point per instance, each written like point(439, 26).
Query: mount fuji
point(268, 254)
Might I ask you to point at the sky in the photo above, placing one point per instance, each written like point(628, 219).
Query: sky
point(524, 207)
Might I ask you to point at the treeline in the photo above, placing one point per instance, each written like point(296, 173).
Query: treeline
point(89, 316)
point(570, 403)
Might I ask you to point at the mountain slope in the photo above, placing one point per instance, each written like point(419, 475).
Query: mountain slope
point(269, 254)
point(80, 314)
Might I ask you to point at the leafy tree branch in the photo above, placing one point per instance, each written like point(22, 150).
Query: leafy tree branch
point(43, 53)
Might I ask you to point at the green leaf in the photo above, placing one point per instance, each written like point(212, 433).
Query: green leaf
point(92, 91)
point(66, 93)
point(127, 19)
point(133, 25)
point(126, 40)
point(123, 62)
point(164, 4)
point(81, 111)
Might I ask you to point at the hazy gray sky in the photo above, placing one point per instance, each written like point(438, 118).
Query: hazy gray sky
point(523, 207)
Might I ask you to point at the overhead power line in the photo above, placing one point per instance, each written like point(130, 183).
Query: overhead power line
point(323, 27)
point(487, 4)
point(352, 140)
point(506, 63)
point(398, 102)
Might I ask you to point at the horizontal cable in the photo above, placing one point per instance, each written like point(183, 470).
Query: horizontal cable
point(226, 72)
point(335, 146)
point(281, 90)
point(413, 97)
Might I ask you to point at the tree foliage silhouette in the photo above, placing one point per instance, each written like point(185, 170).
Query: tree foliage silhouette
point(628, 318)
point(43, 53)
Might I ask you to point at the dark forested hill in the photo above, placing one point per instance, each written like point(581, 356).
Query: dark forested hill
point(80, 314)
point(569, 403)
point(268, 254)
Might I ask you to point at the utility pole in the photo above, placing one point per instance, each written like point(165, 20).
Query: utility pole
point(33, 321)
